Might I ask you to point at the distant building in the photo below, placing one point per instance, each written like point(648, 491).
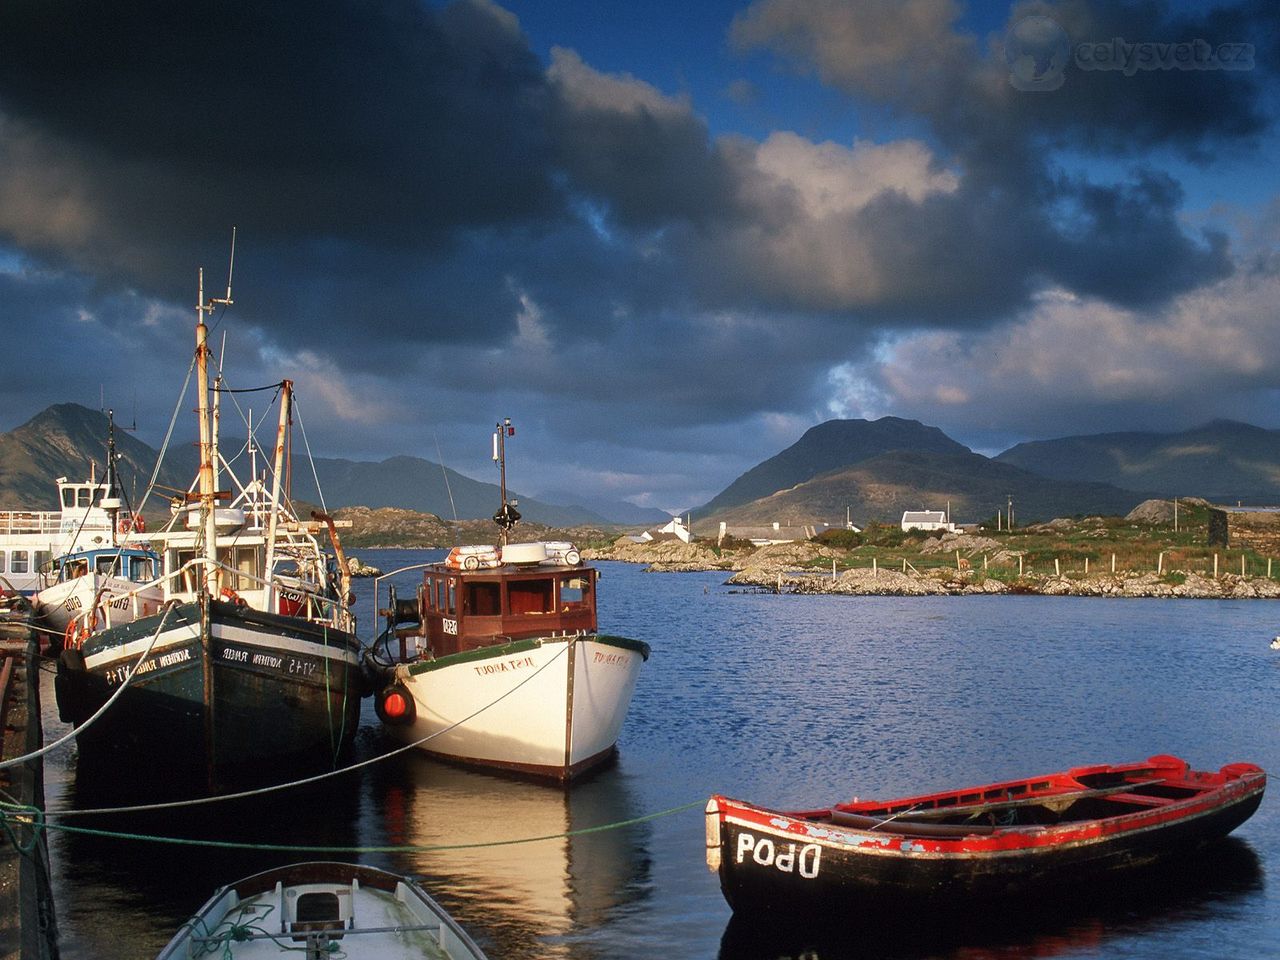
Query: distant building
point(677, 529)
point(927, 520)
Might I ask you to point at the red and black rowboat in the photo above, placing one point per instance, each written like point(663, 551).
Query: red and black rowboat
point(991, 842)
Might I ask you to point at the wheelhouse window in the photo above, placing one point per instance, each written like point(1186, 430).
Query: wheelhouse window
point(107, 565)
point(84, 497)
point(575, 592)
point(531, 596)
point(141, 569)
point(190, 578)
point(482, 599)
point(68, 497)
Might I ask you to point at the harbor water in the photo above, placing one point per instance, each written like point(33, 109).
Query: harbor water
point(789, 701)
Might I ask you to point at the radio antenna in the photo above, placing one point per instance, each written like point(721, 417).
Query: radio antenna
point(231, 265)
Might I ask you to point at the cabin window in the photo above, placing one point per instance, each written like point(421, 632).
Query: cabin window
point(84, 497)
point(440, 595)
point(68, 497)
point(483, 599)
point(4, 556)
point(530, 596)
point(453, 597)
point(106, 565)
point(247, 568)
point(20, 561)
point(191, 576)
point(140, 569)
point(574, 592)
point(43, 559)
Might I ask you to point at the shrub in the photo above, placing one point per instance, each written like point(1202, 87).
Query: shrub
point(839, 538)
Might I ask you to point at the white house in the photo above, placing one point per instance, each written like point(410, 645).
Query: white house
point(927, 520)
point(677, 528)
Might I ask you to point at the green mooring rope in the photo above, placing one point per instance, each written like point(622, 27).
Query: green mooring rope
point(32, 817)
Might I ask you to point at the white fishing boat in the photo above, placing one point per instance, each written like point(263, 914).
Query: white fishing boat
point(112, 581)
point(89, 518)
point(498, 660)
point(322, 910)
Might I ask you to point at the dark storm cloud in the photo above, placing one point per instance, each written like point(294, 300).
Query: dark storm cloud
point(1016, 220)
point(383, 124)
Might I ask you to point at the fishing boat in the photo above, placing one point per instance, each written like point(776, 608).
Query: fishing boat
point(89, 518)
point(96, 579)
point(251, 664)
point(1086, 826)
point(498, 662)
point(322, 910)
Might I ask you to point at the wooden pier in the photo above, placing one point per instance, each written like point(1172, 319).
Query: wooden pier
point(28, 930)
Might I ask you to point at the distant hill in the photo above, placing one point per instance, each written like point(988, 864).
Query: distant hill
point(64, 439)
point(830, 446)
point(618, 511)
point(882, 487)
point(1222, 461)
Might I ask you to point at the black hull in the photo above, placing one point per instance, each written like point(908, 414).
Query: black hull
point(852, 880)
point(226, 696)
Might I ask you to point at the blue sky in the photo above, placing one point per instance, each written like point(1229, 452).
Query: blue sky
point(666, 239)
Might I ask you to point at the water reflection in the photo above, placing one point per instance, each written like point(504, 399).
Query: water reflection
point(527, 899)
point(1085, 922)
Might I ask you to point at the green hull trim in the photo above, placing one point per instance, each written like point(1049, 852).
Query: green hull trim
point(502, 650)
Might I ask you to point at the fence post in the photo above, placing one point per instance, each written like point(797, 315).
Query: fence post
point(875, 569)
point(984, 563)
point(957, 561)
point(1215, 566)
point(1242, 573)
point(1160, 563)
point(1086, 566)
point(1057, 568)
point(1019, 564)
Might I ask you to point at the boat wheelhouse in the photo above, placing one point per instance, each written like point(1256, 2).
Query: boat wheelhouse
point(120, 582)
point(88, 518)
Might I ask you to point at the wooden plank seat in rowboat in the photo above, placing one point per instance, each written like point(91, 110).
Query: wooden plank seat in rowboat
point(908, 822)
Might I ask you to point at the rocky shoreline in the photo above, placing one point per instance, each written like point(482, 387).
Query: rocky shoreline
point(776, 569)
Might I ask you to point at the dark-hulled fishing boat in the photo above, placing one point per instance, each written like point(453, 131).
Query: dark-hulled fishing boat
point(250, 668)
point(1000, 840)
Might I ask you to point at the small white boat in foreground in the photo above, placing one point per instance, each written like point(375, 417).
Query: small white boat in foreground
point(318, 911)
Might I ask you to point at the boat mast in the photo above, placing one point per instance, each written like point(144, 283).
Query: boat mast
point(208, 439)
point(110, 501)
point(507, 515)
point(286, 394)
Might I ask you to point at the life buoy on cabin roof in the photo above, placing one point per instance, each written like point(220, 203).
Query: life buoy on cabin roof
point(472, 557)
point(521, 553)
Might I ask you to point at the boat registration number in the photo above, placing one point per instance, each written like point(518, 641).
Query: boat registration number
point(765, 852)
point(450, 626)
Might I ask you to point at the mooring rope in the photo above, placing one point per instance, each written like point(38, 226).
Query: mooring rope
point(32, 817)
point(201, 801)
point(17, 761)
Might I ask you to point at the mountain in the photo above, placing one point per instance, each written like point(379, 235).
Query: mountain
point(618, 511)
point(830, 446)
point(67, 440)
point(1221, 461)
point(882, 487)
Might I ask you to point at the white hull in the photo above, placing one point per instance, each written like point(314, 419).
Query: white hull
point(322, 910)
point(551, 707)
point(120, 600)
